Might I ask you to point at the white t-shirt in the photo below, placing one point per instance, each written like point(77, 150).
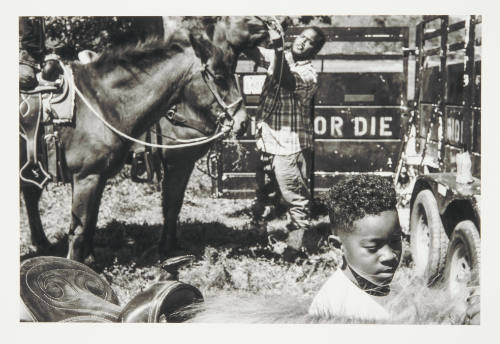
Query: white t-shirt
point(339, 297)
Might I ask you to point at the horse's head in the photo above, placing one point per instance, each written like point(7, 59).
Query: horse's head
point(239, 32)
point(213, 89)
point(243, 32)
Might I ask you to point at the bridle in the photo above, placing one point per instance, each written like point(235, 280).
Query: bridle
point(224, 118)
point(225, 115)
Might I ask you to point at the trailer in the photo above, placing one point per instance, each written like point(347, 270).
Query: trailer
point(361, 99)
point(445, 133)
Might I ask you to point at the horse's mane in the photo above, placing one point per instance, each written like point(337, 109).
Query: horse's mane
point(143, 52)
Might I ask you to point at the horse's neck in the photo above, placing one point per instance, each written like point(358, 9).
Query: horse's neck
point(131, 99)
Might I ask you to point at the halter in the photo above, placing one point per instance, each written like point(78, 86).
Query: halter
point(221, 117)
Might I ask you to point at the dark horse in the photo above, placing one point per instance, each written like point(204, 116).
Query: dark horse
point(131, 88)
point(234, 35)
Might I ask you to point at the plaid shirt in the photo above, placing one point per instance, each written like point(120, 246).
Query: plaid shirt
point(284, 118)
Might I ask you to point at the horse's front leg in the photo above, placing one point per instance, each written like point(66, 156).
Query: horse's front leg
point(31, 195)
point(87, 194)
point(175, 179)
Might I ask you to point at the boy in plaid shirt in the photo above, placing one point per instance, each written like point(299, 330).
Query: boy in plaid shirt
point(284, 126)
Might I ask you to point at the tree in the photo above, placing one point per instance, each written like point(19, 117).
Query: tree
point(69, 35)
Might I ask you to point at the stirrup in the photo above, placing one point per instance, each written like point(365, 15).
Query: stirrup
point(142, 163)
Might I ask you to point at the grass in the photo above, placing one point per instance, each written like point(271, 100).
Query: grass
point(234, 266)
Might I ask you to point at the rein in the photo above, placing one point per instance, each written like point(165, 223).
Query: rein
point(224, 114)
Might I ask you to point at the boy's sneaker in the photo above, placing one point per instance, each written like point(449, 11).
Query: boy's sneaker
point(290, 227)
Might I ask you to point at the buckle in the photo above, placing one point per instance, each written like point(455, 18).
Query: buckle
point(171, 113)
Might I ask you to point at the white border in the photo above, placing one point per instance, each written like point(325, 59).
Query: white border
point(86, 333)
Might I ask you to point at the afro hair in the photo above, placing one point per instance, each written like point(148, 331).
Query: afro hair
point(357, 196)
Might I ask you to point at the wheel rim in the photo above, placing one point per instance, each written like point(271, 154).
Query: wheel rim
point(422, 243)
point(460, 269)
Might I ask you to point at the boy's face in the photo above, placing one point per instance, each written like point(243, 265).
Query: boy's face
point(304, 45)
point(373, 248)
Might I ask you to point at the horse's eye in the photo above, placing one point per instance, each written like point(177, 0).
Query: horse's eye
point(220, 80)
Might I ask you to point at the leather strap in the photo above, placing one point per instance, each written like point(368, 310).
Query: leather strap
point(30, 115)
point(177, 119)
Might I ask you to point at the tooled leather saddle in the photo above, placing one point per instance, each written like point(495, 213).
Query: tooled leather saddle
point(55, 289)
point(41, 111)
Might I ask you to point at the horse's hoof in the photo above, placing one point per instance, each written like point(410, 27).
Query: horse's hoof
point(40, 243)
point(59, 238)
point(41, 250)
point(59, 245)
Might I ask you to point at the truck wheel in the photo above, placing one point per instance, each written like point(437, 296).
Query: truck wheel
point(428, 240)
point(463, 257)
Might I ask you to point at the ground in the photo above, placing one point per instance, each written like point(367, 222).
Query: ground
point(231, 257)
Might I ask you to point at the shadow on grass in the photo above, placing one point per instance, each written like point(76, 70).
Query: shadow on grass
point(278, 211)
point(138, 243)
point(122, 243)
point(126, 243)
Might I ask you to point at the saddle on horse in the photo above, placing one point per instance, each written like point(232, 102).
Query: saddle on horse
point(41, 111)
point(55, 289)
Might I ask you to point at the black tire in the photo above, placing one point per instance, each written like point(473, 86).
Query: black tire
point(463, 259)
point(428, 239)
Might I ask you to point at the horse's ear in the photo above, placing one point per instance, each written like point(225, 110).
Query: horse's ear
point(202, 46)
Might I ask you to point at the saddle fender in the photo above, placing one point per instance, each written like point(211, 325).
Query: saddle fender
point(160, 303)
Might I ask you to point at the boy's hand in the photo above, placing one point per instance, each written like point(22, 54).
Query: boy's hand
point(274, 35)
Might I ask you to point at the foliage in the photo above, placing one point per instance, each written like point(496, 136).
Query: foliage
point(69, 35)
point(306, 20)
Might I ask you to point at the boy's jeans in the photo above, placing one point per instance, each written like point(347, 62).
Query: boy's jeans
point(290, 173)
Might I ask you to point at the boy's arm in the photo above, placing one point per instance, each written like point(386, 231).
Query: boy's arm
point(282, 72)
point(261, 56)
point(306, 82)
point(273, 58)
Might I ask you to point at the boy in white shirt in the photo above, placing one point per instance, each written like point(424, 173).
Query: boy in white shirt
point(365, 223)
